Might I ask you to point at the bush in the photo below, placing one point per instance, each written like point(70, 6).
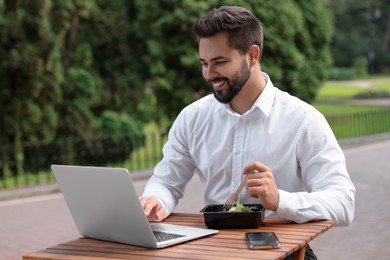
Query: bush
point(342, 73)
point(372, 94)
point(119, 135)
point(360, 65)
point(96, 151)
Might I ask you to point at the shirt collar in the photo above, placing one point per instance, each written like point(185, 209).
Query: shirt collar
point(264, 102)
point(266, 99)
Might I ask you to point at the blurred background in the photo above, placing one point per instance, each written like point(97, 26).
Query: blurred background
point(99, 82)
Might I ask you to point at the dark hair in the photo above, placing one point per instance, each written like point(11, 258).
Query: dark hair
point(242, 27)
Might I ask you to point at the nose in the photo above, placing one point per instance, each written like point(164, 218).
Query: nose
point(209, 72)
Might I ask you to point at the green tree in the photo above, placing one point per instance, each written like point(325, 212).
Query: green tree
point(69, 68)
point(116, 51)
point(97, 86)
point(361, 28)
point(172, 74)
point(296, 47)
point(81, 85)
point(30, 77)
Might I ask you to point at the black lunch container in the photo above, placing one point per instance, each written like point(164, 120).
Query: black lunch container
point(215, 216)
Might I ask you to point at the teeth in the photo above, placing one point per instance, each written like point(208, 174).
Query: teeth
point(217, 84)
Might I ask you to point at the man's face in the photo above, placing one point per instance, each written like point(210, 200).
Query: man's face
point(225, 69)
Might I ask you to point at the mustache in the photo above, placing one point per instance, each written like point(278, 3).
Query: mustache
point(218, 79)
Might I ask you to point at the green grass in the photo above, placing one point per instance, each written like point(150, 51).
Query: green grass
point(348, 120)
point(375, 76)
point(382, 86)
point(348, 89)
point(341, 109)
point(337, 91)
point(360, 124)
point(27, 179)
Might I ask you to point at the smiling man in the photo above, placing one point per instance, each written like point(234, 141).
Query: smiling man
point(292, 160)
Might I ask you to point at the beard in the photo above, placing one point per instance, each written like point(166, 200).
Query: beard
point(234, 85)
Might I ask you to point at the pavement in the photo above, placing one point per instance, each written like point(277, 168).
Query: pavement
point(36, 218)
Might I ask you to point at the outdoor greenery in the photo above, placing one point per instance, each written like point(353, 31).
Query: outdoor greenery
point(346, 120)
point(361, 35)
point(374, 87)
point(79, 70)
point(360, 124)
point(343, 104)
point(331, 110)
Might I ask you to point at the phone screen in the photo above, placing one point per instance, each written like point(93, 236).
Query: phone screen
point(262, 240)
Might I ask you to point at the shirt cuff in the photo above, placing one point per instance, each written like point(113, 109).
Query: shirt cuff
point(288, 205)
point(162, 194)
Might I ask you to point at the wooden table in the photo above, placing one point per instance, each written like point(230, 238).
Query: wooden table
point(227, 244)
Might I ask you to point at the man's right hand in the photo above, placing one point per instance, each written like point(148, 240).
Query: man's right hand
point(153, 209)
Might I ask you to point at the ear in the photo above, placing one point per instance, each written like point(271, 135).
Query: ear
point(254, 54)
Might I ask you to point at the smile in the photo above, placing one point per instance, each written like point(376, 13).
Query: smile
point(217, 85)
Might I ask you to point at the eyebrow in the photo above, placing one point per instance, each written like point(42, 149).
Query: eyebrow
point(214, 59)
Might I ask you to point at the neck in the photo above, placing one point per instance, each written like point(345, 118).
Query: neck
point(249, 93)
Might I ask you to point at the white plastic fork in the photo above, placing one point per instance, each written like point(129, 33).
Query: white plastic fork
point(232, 199)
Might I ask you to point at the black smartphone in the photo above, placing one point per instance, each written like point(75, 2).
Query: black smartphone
point(262, 240)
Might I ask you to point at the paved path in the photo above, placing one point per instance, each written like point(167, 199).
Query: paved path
point(32, 224)
point(366, 238)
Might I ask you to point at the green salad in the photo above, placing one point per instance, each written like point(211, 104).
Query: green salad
point(239, 208)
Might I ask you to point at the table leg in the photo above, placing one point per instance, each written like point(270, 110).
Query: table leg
point(300, 254)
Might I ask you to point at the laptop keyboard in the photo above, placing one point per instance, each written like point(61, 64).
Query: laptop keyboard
point(163, 236)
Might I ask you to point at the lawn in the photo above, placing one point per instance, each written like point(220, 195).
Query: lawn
point(349, 89)
point(341, 109)
point(330, 90)
point(348, 120)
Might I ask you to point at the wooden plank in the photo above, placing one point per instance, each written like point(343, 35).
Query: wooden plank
point(227, 244)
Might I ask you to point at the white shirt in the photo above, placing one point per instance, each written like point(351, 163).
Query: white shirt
point(281, 131)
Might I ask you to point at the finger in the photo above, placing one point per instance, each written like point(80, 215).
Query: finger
point(143, 201)
point(157, 216)
point(148, 204)
point(153, 209)
point(255, 167)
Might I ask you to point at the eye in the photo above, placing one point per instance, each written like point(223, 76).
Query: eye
point(221, 62)
point(203, 64)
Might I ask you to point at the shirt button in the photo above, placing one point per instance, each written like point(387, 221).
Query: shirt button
point(237, 152)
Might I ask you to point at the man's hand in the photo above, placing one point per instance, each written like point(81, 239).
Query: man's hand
point(260, 183)
point(153, 209)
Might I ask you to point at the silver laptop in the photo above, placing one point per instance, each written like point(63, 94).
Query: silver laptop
point(104, 205)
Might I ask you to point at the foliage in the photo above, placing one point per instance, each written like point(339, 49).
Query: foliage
point(110, 33)
point(30, 75)
point(361, 28)
point(367, 94)
point(342, 73)
point(361, 66)
point(296, 45)
point(296, 52)
point(51, 89)
point(73, 69)
point(170, 54)
point(113, 123)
